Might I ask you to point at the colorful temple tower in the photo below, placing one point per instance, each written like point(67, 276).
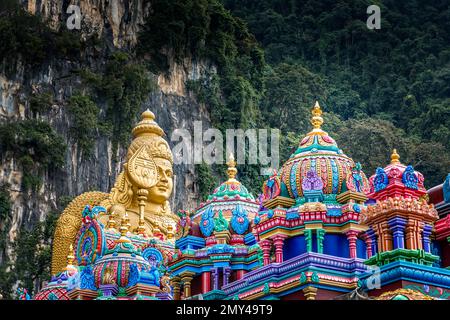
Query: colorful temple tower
point(217, 246)
point(399, 239)
point(440, 197)
point(319, 230)
point(119, 243)
point(308, 225)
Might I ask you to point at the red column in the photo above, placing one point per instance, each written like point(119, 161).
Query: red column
point(278, 242)
point(240, 274)
point(265, 246)
point(368, 240)
point(368, 247)
point(352, 235)
point(206, 282)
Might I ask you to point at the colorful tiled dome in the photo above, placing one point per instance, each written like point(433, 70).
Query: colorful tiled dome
point(398, 178)
point(122, 261)
point(319, 152)
point(230, 203)
point(115, 265)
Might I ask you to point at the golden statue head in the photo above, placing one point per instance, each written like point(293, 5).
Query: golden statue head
point(146, 182)
point(149, 160)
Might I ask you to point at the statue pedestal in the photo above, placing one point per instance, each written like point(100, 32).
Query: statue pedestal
point(109, 289)
point(222, 237)
point(143, 290)
point(82, 294)
point(163, 296)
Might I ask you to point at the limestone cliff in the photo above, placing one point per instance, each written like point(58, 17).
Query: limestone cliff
point(116, 23)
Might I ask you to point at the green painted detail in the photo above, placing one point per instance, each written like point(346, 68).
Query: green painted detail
point(448, 239)
point(260, 257)
point(414, 256)
point(320, 235)
point(315, 277)
point(214, 295)
point(330, 199)
point(220, 223)
point(302, 278)
point(283, 190)
point(122, 292)
point(359, 284)
point(266, 288)
point(271, 297)
point(225, 190)
point(236, 297)
point(399, 297)
point(308, 239)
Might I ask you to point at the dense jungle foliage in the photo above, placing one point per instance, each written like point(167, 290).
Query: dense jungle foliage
point(381, 88)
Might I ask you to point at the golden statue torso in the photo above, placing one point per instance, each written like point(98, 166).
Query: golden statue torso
point(141, 190)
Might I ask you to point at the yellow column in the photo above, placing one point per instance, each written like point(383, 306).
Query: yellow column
point(310, 293)
point(186, 278)
point(175, 282)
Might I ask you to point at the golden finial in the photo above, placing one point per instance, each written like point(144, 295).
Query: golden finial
point(124, 226)
point(231, 171)
point(316, 120)
point(395, 157)
point(70, 256)
point(111, 222)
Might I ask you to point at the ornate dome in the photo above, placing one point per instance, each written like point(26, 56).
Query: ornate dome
point(119, 260)
point(230, 202)
point(398, 178)
point(319, 152)
point(56, 289)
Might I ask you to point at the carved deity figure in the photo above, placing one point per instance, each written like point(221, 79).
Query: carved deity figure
point(142, 190)
point(312, 181)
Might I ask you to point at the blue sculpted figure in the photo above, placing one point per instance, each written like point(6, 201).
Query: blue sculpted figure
point(357, 178)
point(74, 281)
point(446, 189)
point(52, 296)
point(381, 179)
point(155, 272)
point(207, 222)
point(22, 294)
point(239, 220)
point(87, 279)
point(89, 213)
point(133, 276)
point(409, 178)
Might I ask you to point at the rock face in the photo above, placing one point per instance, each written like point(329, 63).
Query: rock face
point(115, 21)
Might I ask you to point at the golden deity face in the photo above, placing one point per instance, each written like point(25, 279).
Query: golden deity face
point(161, 191)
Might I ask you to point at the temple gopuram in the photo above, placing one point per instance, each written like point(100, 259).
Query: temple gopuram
point(319, 230)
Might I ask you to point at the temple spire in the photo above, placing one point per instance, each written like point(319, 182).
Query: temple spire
point(231, 171)
point(395, 157)
point(316, 120)
point(70, 256)
point(124, 226)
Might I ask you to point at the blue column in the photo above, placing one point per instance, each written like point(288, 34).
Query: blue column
point(426, 237)
point(397, 226)
point(370, 233)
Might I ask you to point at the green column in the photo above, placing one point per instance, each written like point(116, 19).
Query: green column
point(308, 239)
point(320, 235)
